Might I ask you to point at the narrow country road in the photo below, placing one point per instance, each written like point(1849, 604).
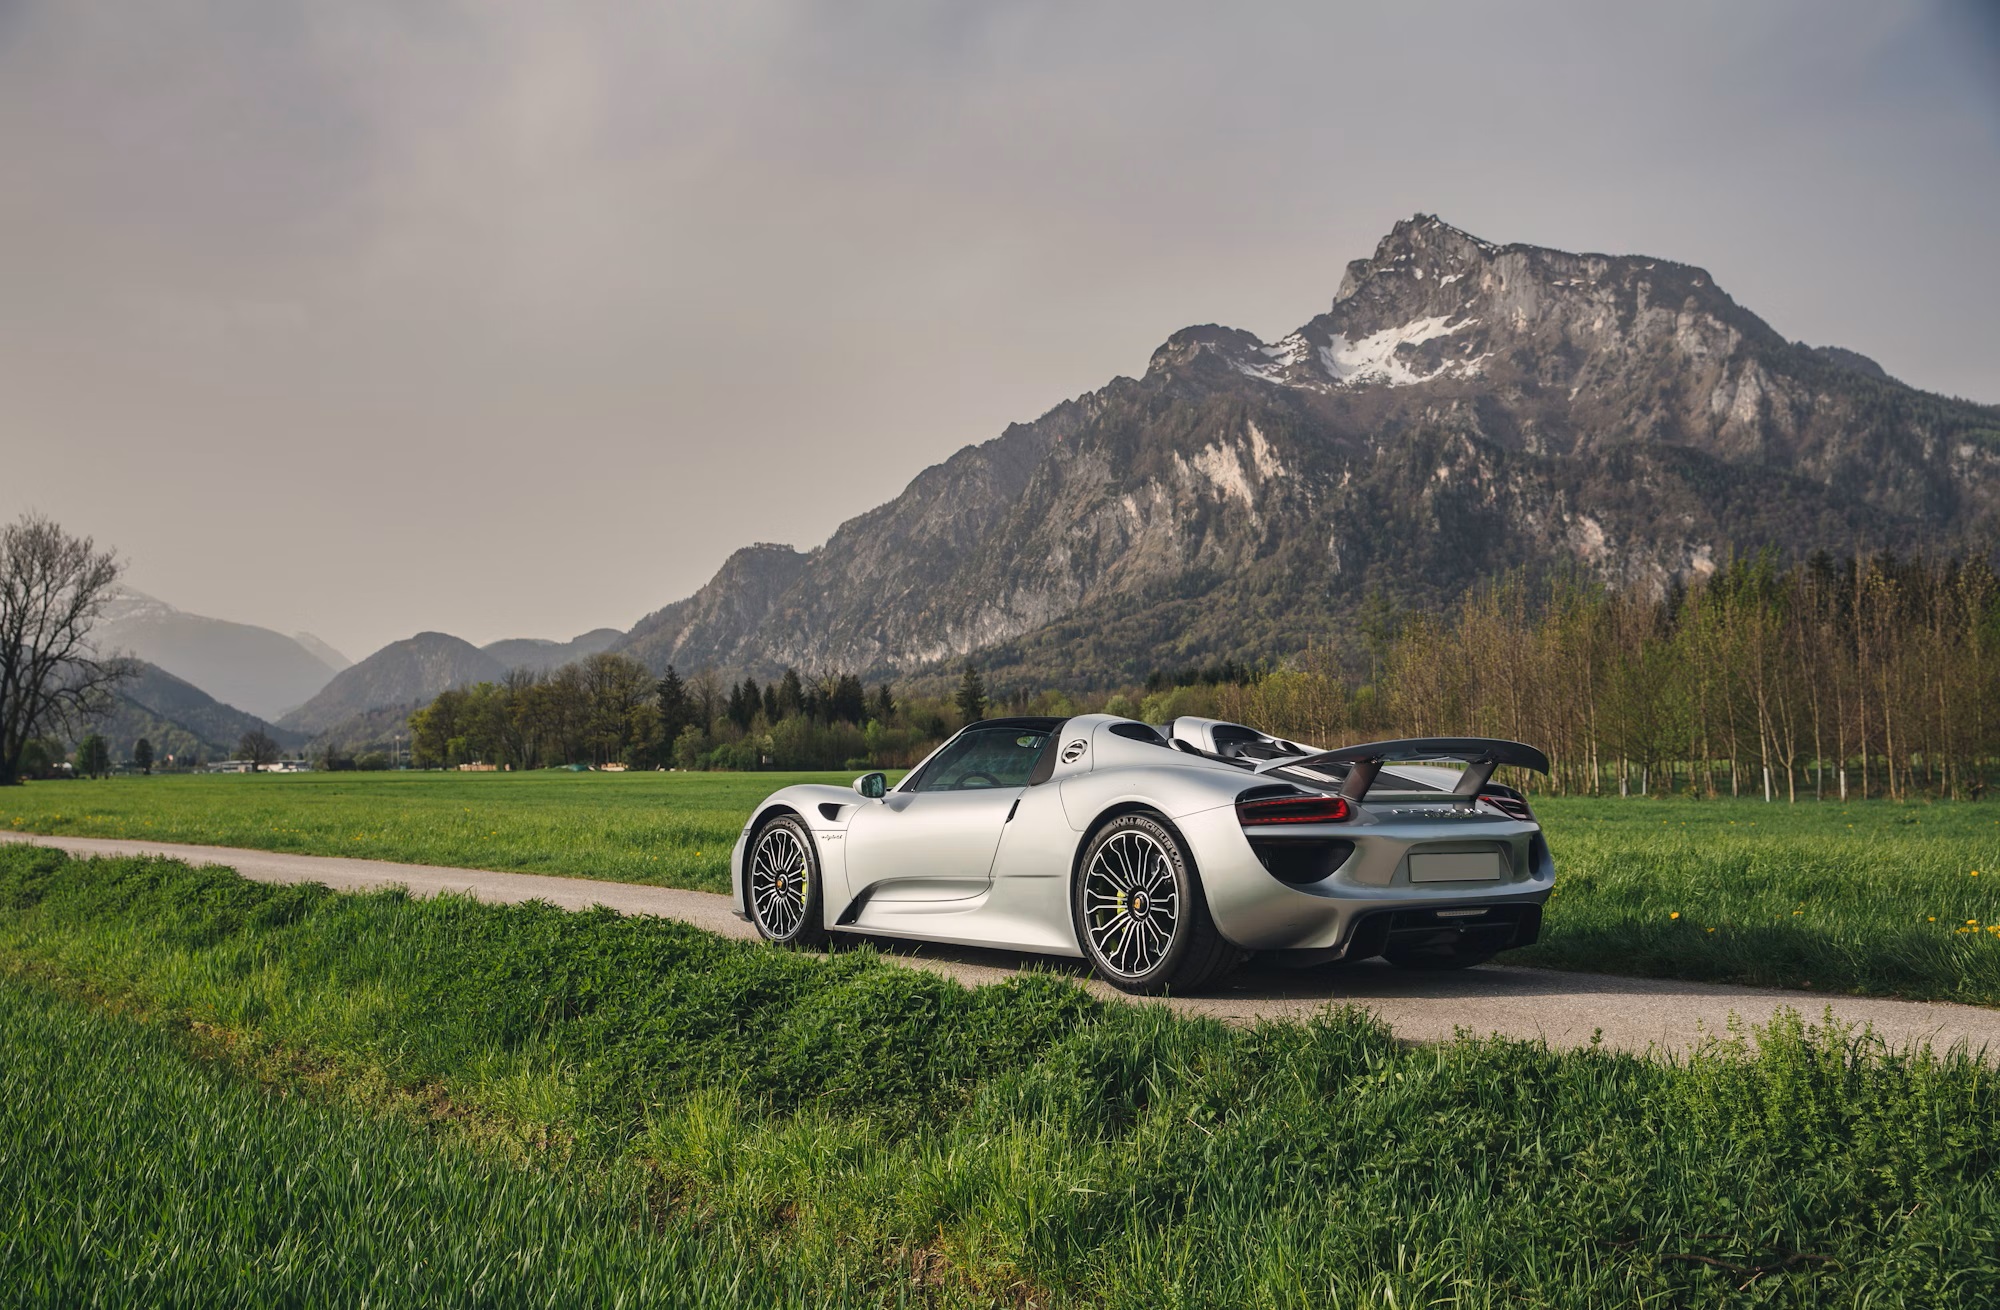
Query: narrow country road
point(1565, 1009)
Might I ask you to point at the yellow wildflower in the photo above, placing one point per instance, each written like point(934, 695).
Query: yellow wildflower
point(1675, 915)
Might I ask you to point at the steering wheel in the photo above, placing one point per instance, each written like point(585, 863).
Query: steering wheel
point(965, 778)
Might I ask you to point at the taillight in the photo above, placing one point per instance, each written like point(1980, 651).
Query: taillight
point(1270, 810)
point(1511, 806)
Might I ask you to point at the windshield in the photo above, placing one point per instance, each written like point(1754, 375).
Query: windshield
point(984, 758)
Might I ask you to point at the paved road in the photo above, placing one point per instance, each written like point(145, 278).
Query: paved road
point(1565, 1009)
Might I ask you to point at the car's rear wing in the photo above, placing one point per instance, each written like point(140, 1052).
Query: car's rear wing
point(1481, 755)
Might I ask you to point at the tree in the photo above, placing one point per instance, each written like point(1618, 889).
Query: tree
point(52, 588)
point(93, 757)
point(971, 698)
point(791, 694)
point(850, 700)
point(884, 708)
point(38, 758)
point(257, 749)
point(142, 755)
point(676, 706)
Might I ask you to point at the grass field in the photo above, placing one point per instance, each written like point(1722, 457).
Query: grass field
point(1872, 897)
point(668, 829)
point(886, 1133)
point(136, 1174)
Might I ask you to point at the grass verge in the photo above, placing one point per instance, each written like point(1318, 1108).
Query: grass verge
point(135, 1174)
point(1022, 1145)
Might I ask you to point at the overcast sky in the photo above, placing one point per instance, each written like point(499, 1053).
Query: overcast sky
point(515, 319)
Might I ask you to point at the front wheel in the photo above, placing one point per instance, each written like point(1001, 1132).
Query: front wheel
point(1140, 914)
point(782, 884)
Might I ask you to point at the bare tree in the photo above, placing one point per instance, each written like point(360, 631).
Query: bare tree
point(258, 749)
point(52, 588)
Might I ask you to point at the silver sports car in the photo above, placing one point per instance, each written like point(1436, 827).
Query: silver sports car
point(1165, 855)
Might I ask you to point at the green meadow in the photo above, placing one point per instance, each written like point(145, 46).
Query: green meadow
point(667, 829)
point(1873, 897)
point(231, 1093)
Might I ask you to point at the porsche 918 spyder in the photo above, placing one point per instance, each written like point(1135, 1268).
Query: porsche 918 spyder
point(1162, 855)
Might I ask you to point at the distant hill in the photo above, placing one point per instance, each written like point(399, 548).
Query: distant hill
point(402, 674)
point(255, 669)
point(326, 654)
point(179, 719)
point(543, 655)
point(379, 729)
point(1461, 410)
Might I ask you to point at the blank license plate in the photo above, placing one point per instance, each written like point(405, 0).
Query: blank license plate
point(1456, 866)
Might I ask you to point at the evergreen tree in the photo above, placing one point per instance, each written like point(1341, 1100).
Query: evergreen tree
point(676, 706)
point(753, 702)
point(791, 694)
point(771, 714)
point(738, 713)
point(885, 705)
point(850, 699)
point(971, 696)
point(142, 755)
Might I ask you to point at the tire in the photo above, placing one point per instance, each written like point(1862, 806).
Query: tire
point(1140, 914)
point(781, 884)
point(1437, 957)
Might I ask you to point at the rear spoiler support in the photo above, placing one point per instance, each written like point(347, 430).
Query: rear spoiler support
point(1481, 755)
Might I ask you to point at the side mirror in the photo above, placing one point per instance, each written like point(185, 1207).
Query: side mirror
point(872, 785)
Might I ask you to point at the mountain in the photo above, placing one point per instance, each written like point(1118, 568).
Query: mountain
point(542, 655)
point(179, 718)
point(1461, 409)
point(403, 674)
point(323, 652)
point(262, 671)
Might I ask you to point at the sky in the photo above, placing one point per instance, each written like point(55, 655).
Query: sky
point(506, 319)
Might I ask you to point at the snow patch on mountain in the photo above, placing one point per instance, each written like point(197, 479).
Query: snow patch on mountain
point(1374, 357)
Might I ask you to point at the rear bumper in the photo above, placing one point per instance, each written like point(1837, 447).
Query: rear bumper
point(1495, 928)
point(1370, 902)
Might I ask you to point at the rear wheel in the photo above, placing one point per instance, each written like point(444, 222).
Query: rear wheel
point(782, 884)
point(1140, 914)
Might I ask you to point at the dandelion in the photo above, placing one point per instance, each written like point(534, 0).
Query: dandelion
point(1675, 915)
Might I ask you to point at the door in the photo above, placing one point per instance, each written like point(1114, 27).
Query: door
point(933, 838)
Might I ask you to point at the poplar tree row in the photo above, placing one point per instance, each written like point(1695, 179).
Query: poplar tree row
point(1876, 677)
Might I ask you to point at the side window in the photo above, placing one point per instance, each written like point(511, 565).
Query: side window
point(985, 758)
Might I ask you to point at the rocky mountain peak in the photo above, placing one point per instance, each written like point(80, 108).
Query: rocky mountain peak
point(1462, 407)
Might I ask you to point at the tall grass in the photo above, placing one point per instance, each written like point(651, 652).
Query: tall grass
point(1024, 1145)
point(135, 1175)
